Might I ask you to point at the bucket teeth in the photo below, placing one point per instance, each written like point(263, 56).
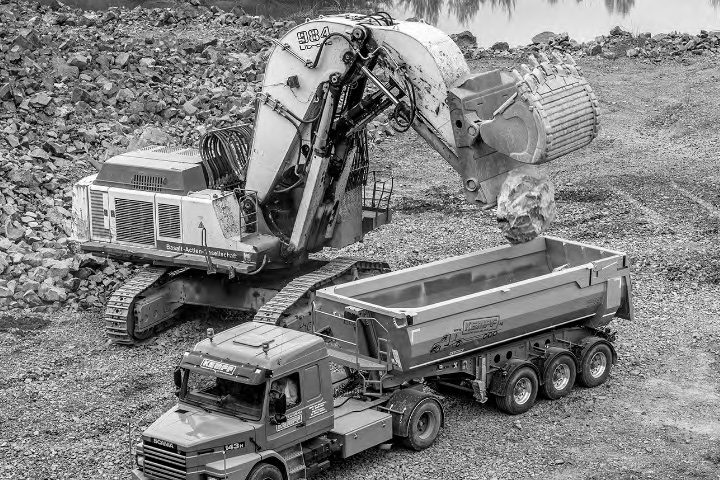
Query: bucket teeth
point(533, 61)
point(543, 58)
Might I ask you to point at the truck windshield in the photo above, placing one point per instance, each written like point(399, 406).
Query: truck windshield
point(237, 398)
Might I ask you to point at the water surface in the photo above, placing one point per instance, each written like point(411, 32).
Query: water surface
point(512, 21)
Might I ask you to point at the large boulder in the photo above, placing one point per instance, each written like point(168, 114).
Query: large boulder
point(526, 204)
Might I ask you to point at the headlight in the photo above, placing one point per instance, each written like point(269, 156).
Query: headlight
point(140, 460)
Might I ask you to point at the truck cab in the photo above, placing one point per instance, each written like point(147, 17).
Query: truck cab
point(254, 394)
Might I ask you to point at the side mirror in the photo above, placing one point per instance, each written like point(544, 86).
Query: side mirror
point(177, 377)
point(278, 419)
point(281, 405)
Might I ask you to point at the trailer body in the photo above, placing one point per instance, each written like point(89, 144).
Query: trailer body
point(432, 313)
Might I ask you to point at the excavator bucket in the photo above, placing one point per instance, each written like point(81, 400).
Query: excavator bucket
point(553, 112)
point(503, 120)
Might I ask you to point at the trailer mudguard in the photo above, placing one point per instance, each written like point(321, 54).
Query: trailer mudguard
point(551, 354)
point(500, 378)
point(402, 405)
point(588, 342)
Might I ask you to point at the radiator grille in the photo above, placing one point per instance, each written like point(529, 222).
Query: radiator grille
point(134, 221)
point(96, 215)
point(149, 183)
point(169, 220)
point(163, 462)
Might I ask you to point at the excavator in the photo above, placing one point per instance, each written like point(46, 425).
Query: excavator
point(231, 224)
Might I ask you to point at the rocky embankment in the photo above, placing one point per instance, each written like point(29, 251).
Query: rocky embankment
point(618, 43)
point(77, 87)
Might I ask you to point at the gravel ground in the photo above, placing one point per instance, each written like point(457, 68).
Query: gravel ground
point(647, 186)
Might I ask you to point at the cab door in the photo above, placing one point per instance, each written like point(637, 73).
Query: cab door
point(294, 429)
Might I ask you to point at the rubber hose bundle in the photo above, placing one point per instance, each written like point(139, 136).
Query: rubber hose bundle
point(225, 154)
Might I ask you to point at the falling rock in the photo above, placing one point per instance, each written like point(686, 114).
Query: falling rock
point(526, 204)
point(5, 291)
point(632, 52)
point(52, 293)
point(617, 31)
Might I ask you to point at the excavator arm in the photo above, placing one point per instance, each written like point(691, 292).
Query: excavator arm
point(327, 78)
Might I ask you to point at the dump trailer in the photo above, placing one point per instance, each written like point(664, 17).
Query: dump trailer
point(257, 401)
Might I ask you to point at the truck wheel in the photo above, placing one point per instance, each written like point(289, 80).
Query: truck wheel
point(424, 425)
point(520, 392)
point(559, 377)
point(596, 365)
point(265, 471)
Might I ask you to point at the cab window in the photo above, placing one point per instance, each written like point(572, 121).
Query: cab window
point(290, 386)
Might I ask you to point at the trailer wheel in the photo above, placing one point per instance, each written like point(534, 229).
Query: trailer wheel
point(559, 377)
point(596, 365)
point(424, 425)
point(265, 471)
point(520, 392)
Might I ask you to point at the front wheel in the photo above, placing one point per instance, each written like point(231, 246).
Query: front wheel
point(596, 365)
point(520, 392)
point(265, 471)
point(424, 425)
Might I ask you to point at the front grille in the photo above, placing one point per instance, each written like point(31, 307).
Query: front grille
point(163, 462)
point(149, 183)
point(168, 220)
point(97, 215)
point(134, 221)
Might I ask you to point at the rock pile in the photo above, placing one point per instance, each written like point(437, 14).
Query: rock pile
point(617, 44)
point(77, 87)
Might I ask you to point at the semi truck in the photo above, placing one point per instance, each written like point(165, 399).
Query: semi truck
point(256, 402)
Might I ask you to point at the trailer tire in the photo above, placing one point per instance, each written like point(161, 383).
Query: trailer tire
point(423, 425)
point(559, 378)
point(596, 365)
point(265, 471)
point(520, 392)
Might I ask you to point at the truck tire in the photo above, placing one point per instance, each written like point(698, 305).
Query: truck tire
point(559, 378)
point(265, 471)
point(423, 425)
point(596, 365)
point(520, 392)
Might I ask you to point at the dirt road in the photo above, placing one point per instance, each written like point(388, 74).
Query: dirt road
point(649, 185)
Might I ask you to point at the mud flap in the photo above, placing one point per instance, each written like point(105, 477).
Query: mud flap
point(499, 379)
point(403, 403)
